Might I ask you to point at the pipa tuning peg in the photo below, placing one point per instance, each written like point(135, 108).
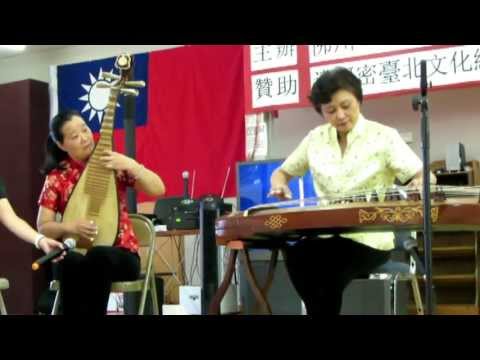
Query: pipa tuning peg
point(102, 85)
point(132, 92)
point(110, 76)
point(135, 84)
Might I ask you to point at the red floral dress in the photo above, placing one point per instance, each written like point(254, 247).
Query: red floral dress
point(59, 185)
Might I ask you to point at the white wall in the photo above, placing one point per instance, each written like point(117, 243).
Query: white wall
point(35, 65)
point(454, 117)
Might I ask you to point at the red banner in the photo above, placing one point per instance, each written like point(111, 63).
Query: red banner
point(195, 119)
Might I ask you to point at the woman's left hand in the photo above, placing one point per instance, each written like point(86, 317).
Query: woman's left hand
point(48, 245)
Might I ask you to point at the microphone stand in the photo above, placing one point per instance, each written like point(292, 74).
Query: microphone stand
point(130, 145)
point(421, 102)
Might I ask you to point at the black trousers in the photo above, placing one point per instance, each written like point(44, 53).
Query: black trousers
point(85, 280)
point(321, 269)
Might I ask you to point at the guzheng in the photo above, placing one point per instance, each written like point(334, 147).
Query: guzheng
point(453, 208)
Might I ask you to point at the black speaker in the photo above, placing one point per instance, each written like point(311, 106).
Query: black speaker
point(208, 215)
point(177, 212)
point(163, 208)
point(131, 300)
point(184, 215)
point(215, 202)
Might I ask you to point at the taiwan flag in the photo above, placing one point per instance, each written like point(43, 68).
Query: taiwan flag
point(77, 86)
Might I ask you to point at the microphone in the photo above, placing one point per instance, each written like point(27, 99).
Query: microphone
point(68, 244)
point(185, 176)
point(423, 78)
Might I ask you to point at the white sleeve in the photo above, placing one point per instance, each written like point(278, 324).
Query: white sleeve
point(296, 163)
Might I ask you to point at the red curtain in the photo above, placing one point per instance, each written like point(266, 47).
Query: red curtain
point(195, 118)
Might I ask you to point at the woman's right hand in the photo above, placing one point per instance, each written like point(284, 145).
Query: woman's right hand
point(86, 229)
point(281, 192)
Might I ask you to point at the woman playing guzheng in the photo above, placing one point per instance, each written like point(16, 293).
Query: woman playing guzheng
point(349, 153)
point(85, 280)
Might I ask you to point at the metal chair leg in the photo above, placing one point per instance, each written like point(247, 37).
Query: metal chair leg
point(416, 295)
point(153, 292)
point(394, 292)
point(56, 303)
point(3, 308)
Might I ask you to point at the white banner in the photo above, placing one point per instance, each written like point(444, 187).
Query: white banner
point(275, 88)
point(272, 56)
point(392, 73)
point(318, 53)
point(281, 76)
point(256, 126)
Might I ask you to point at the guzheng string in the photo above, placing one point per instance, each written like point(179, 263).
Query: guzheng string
point(439, 192)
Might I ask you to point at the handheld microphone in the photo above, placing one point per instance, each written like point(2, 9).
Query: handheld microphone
point(185, 176)
point(68, 244)
point(423, 78)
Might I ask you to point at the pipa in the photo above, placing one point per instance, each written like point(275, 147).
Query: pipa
point(95, 195)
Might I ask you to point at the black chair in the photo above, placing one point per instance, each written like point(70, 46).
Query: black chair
point(403, 271)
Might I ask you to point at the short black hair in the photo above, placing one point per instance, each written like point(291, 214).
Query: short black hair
point(330, 82)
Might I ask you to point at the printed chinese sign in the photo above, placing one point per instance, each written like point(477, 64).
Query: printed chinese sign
point(272, 56)
point(257, 136)
point(401, 73)
point(280, 76)
point(273, 77)
point(321, 53)
point(275, 88)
